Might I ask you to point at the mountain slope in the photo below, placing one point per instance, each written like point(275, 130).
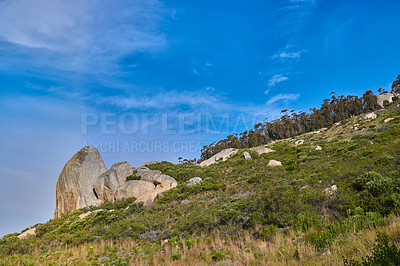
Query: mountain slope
point(320, 205)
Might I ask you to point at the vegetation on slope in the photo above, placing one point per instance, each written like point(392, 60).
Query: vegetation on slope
point(245, 211)
point(332, 110)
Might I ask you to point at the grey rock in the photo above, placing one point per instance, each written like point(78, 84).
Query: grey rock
point(318, 148)
point(273, 163)
point(157, 178)
point(149, 163)
point(85, 215)
point(261, 150)
point(75, 184)
point(299, 142)
point(151, 235)
point(241, 195)
point(247, 155)
point(330, 190)
point(384, 97)
point(133, 188)
point(222, 155)
point(371, 115)
point(111, 180)
point(27, 233)
point(396, 85)
point(194, 181)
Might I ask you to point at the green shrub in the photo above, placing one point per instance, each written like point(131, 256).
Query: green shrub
point(290, 168)
point(229, 212)
point(176, 256)
point(385, 160)
point(383, 254)
point(268, 232)
point(305, 221)
point(362, 180)
point(218, 256)
point(133, 176)
point(374, 183)
point(378, 186)
point(321, 239)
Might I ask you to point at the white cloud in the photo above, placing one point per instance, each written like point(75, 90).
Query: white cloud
point(285, 53)
point(49, 24)
point(304, 1)
point(276, 79)
point(164, 101)
point(266, 91)
point(280, 97)
point(81, 34)
point(289, 55)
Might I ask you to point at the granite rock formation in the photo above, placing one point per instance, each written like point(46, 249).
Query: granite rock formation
point(85, 181)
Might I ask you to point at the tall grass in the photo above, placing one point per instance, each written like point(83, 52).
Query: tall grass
point(284, 248)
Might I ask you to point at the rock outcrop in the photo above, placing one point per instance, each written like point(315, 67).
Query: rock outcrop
point(149, 163)
point(160, 180)
point(194, 181)
point(27, 233)
point(370, 116)
point(134, 188)
point(246, 155)
point(273, 163)
point(75, 185)
point(87, 214)
point(396, 85)
point(85, 181)
point(261, 149)
point(329, 191)
point(222, 155)
point(111, 180)
point(384, 97)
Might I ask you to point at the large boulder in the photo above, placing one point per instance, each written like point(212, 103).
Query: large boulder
point(222, 155)
point(75, 184)
point(273, 163)
point(261, 150)
point(370, 116)
point(155, 177)
point(396, 85)
point(149, 163)
point(194, 181)
point(86, 214)
point(27, 233)
point(134, 188)
point(111, 180)
point(246, 155)
point(151, 183)
point(85, 181)
point(299, 142)
point(148, 197)
point(384, 97)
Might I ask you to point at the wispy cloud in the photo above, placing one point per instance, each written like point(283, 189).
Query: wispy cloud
point(276, 79)
point(79, 34)
point(294, 15)
point(287, 53)
point(164, 101)
point(281, 97)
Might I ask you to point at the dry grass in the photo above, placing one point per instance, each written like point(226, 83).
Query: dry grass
point(217, 249)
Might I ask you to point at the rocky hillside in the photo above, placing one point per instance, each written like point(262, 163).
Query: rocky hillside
point(323, 197)
point(85, 181)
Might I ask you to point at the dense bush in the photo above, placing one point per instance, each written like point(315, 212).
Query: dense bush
point(384, 253)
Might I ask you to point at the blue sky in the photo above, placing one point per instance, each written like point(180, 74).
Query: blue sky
point(154, 80)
